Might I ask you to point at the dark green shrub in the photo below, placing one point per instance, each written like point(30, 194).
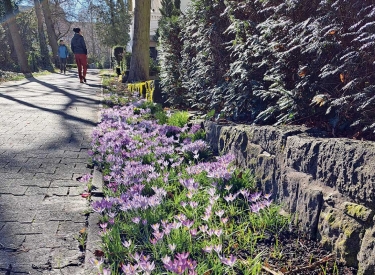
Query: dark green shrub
point(276, 62)
point(169, 54)
point(205, 58)
point(161, 117)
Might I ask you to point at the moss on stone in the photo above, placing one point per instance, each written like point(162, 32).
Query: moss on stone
point(357, 211)
point(330, 218)
point(253, 161)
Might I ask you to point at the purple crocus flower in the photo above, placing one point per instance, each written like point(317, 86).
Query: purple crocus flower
point(218, 248)
point(218, 232)
point(194, 128)
point(103, 225)
point(224, 220)
point(219, 213)
point(85, 178)
point(172, 247)
point(255, 207)
point(187, 223)
point(203, 228)
point(231, 261)
point(181, 217)
point(230, 197)
point(208, 248)
point(193, 232)
point(193, 204)
point(158, 235)
point(153, 241)
point(254, 197)
point(130, 269)
point(155, 226)
point(180, 264)
point(147, 267)
point(127, 244)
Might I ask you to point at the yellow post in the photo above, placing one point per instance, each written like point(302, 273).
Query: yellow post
point(145, 89)
point(150, 90)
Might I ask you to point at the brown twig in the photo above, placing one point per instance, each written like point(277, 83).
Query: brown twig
point(273, 272)
point(311, 266)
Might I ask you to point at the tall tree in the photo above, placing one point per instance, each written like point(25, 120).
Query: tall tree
point(140, 60)
point(52, 38)
point(61, 17)
point(44, 53)
point(13, 54)
point(112, 22)
point(16, 38)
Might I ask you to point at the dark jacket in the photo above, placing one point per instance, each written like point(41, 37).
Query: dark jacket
point(78, 44)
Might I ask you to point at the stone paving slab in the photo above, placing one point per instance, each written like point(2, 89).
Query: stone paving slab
point(45, 134)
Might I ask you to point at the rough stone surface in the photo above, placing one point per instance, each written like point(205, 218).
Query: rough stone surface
point(367, 252)
point(46, 125)
point(341, 233)
point(328, 185)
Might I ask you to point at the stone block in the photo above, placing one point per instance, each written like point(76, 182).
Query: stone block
point(366, 255)
point(341, 233)
point(58, 191)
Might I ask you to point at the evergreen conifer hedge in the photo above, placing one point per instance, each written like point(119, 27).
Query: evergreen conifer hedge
point(275, 62)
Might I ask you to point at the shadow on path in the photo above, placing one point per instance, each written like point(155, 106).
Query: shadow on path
point(72, 100)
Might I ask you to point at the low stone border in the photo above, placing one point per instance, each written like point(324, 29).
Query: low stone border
point(94, 240)
point(328, 184)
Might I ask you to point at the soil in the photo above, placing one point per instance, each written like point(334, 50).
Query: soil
point(293, 253)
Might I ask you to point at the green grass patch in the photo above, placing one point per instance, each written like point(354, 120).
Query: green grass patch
point(179, 118)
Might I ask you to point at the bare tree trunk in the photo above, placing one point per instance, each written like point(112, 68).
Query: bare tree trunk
point(140, 61)
point(17, 41)
point(42, 38)
point(92, 33)
point(52, 38)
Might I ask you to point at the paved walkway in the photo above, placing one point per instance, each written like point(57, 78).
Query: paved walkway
point(45, 129)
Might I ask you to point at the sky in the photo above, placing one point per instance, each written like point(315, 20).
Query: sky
point(66, 5)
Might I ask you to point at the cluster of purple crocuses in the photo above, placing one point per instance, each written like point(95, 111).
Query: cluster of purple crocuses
point(181, 264)
point(136, 152)
point(143, 265)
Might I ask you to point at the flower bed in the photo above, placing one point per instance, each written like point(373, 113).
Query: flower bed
point(171, 208)
point(8, 76)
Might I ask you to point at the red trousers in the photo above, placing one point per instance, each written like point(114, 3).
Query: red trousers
point(81, 60)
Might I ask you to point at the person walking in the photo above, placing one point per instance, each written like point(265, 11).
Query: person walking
point(63, 55)
point(79, 49)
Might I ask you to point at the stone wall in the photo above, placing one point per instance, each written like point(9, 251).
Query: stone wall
point(328, 184)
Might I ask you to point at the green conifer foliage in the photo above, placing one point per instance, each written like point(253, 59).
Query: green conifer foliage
point(277, 62)
point(205, 58)
point(169, 52)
